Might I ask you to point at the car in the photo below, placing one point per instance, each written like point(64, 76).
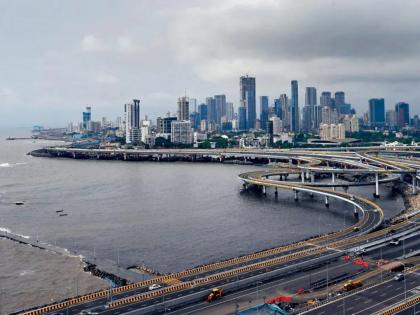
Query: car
point(94, 310)
point(356, 229)
point(399, 277)
point(154, 286)
point(394, 242)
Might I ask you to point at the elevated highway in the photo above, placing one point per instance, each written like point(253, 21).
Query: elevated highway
point(192, 285)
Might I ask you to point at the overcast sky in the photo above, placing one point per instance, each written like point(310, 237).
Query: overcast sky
point(58, 56)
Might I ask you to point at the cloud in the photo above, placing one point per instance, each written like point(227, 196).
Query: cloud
point(106, 78)
point(91, 43)
point(8, 96)
point(322, 40)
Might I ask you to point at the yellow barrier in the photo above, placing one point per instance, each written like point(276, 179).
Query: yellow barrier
point(402, 306)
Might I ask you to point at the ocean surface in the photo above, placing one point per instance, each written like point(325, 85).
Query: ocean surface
point(169, 216)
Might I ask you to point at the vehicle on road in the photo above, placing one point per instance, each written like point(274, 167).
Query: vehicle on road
point(394, 242)
point(352, 284)
point(399, 277)
point(215, 294)
point(94, 310)
point(154, 286)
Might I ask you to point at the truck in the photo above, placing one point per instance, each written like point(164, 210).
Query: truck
point(215, 294)
point(352, 284)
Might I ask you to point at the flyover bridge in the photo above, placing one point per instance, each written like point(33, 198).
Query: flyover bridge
point(191, 285)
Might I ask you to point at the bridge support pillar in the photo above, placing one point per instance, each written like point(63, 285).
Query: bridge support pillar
point(333, 180)
point(376, 194)
point(355, 212)
point(296, 195)
point(264, 190)
point(312, 177)
point(345, 188)
point(327, 202)
point(308, 176)
point(303, 176)
point(74, 155)
point(414, 184)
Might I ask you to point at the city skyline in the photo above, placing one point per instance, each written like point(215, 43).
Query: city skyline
point(52, 66)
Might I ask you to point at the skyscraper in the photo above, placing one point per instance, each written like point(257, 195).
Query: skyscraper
point(263, 112)
point(285, 110)
point(247, 99)
point(310, 96)
point(211, 110)
point(294, 107)
point(230, 113)
point(307, 117)
point(403, 114)
point(377, 112)
point(339, 99)
point(183, 110)
point(220, 107)
point(132, 122)
point(202, 111)
point(325, 99)
point(87, 115)
point(242, 118)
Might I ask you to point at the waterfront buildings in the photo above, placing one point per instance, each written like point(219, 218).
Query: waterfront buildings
point(132, 122)
point(377, 112)
point(247, 100)
point(181, 132)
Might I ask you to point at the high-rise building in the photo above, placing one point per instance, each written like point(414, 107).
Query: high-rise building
point(377, 112)
point(211, 110)
point(263, 112)
point(202, 111)
point(317, 116)
point(181, 132)
point(277, 108)
point(332, 132)
point(87, 116)
point(242, 118)
point(183, 110)
point(294, 107)
point(351, 123)
point(164, 125)
point(193, 105)
point(132, 122)
point(339, 98)
point(285, 110)
point(247, 99)
point(277, 125)
point(310, 96)
point(220, 107)
point(325, 99)
point(230, 113)
point(403, 114)
point(307, 118)
point(391, 118)
point(328, 115)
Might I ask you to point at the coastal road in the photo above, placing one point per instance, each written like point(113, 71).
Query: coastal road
point(373, 299)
